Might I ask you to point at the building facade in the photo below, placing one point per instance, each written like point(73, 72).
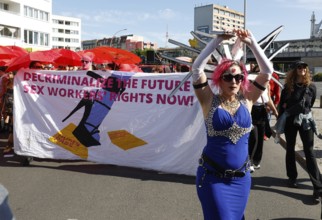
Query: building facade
point(210, 18)
point(66, 32)
point(31, 25)
point(126, 42)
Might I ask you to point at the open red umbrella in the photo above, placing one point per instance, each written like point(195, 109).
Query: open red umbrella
point(130, 68)
point(96, 58)
point(115, 55)
point(6, 53)
point(17, 50)
point(67, 58)
point(24, 61)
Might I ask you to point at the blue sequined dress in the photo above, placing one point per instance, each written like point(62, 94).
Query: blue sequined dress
point(227, 145)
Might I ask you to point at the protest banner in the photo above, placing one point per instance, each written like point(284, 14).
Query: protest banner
point(109, 117)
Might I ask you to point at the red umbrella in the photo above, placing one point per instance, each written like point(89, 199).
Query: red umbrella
point(19, 51)
point(130, 68)
point(24, 61)
point(96, 58)
point(6, 53)
point(67, 58)
point(115, 55)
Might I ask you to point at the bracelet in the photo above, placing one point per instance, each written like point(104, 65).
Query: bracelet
point(258, 86)
point(201, 85)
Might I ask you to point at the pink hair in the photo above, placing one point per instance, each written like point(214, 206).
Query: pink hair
point(223, 66)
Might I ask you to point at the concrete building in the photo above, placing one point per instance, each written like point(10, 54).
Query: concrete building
point(210, 18)
point(66, 32)
point(126, 42)
point(29, 24)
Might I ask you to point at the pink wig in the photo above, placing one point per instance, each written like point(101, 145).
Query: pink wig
point(224, 65)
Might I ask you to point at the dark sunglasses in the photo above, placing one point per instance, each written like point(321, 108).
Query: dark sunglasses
point(230, 77)
point(301, 67)
point(84, 61)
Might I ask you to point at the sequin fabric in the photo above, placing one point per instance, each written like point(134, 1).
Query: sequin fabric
point(235, 132)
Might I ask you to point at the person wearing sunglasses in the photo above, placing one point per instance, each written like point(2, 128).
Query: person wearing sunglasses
point(86, 62)
point(297, 99)
point(223, 180)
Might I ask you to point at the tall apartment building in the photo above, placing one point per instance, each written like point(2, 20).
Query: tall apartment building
point(210, 18)
point(66, 32)
point(29, 24)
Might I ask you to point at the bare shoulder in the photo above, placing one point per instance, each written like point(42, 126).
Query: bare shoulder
point(247, 101)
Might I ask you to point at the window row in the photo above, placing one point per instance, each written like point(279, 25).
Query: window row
point(36, 13)
point(228, 14)
point(61, 39)
point(4, 6)
point(36, 38)
point(71, 23)
point(65, 31)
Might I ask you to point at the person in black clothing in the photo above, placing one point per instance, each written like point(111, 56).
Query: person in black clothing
point(297, 99)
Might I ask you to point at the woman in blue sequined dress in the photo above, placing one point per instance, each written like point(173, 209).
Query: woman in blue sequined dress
point(223, 180)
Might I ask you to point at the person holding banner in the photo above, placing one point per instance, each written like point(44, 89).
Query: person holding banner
point(223, 179)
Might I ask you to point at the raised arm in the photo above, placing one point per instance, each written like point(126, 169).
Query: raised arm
point(200, 82)
point(265, 66)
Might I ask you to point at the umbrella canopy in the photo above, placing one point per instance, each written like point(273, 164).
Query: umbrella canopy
point(67, 58)
point(6, 53)
point(24, 61)
point(111, 54)
point(19, 51)
point(99, 59)
point(130, 68)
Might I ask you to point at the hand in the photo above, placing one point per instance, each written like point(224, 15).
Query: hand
point(225, 34)
point(245, 36)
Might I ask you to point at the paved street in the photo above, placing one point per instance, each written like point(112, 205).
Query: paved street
point(62, 190)
point(80, 190)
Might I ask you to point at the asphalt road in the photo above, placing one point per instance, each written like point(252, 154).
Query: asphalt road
point(80, 190)
point(65, 190)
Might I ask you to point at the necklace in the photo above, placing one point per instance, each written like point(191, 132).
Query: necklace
point(230, 106)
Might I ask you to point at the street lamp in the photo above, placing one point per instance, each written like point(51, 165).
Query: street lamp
point(115, 35)
point(245, 6)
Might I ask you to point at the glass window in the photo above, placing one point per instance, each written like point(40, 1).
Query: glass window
point(29, 12)
point(41, 38)
point(46, 39)
point(25, 11)
point(36, 34)
point(30, 37)
point(36, 13)
point(25, 36)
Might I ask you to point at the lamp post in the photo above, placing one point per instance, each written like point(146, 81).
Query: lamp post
point(245, 55)
point(115, 35)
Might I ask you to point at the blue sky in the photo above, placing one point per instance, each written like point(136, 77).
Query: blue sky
point(153, 19)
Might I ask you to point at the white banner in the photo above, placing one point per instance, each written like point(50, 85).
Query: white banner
point(87, 115)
